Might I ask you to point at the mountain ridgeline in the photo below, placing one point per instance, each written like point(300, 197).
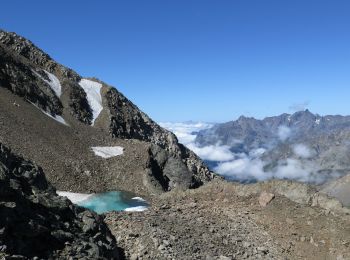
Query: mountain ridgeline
point(35, 90)
point(317, 144)
point(249, 133)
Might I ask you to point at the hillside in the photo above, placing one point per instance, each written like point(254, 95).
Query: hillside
point(52, 115)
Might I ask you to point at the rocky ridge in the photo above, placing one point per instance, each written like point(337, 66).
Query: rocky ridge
point(25, 71)
point(36, 223)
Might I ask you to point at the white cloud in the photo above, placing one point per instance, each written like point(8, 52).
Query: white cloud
point(302, 151)
point(257, 152)
point(243, 169)
point(249, 167)
point(284, 133)
point(218, 153)
point(184, 131)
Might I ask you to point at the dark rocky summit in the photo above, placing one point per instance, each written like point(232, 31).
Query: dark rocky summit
point(35, 222)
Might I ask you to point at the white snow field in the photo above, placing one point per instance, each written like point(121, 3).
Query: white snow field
point(74, 197)
point(54, 83)
point(108, 151)
point(93, 95)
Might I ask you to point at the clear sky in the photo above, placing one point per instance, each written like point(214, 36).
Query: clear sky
point(198, 59)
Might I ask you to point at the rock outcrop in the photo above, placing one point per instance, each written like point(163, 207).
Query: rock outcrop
point(36, 222)
point(26, 71)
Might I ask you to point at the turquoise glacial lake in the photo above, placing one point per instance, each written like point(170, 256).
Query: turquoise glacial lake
point(114, 200)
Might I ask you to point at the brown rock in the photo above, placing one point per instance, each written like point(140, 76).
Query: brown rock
point(265, 198)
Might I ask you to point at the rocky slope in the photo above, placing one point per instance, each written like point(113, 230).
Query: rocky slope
point(35, 222)
point(225, 221)
point(35, 90)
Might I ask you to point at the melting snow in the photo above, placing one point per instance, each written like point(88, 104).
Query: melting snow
point(138, 199)
point(93, 95)
point(54, 83)
point(108, 152)
point(136, 209)
point(56, 117)
point(74, 197)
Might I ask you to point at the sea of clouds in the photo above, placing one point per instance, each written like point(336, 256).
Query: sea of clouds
point(250, 167)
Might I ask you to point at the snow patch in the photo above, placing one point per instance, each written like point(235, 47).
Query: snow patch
point(53, 82)
point(108, 152)
point(74, 197)
point(139, 199)
point(93, 96)
point(136, 209)
point(57, 118)
point(317, 121)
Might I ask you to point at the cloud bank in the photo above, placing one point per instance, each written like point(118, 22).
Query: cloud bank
point(303, 151)
point(250, 167)
point(284, 133)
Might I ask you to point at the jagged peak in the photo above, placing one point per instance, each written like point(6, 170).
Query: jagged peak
point(35, 55)
point(303, 114)
point(12, 38)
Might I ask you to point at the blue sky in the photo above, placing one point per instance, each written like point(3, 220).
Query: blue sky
point(198, 59)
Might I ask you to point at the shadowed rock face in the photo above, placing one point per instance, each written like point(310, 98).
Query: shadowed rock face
point(34, 221)
point(22, 69)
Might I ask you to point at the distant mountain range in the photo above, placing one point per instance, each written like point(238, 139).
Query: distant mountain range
point(248, 133)
point(301, 146)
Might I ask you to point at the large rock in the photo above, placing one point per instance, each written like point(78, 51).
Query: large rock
point(36, 222)
point(265, 198)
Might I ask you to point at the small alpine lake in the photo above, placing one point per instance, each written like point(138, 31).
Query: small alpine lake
point(107, 201)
